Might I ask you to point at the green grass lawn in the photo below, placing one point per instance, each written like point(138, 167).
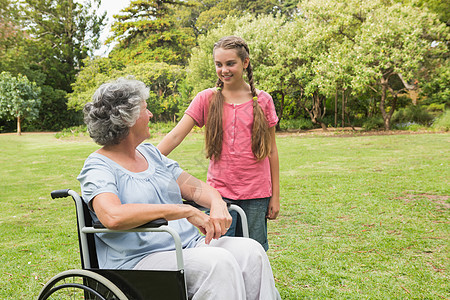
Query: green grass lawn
point(363, 217)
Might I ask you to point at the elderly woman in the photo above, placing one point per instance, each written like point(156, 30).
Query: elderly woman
point(127, 183)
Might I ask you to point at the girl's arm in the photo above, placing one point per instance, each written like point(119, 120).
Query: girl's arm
point(176, 135)
point(274, 204)
point(206, 196)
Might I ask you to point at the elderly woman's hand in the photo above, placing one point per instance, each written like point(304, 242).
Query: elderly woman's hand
point(205, 224)
point(220, 217)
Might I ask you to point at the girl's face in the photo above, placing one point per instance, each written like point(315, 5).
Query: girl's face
point(229, 66)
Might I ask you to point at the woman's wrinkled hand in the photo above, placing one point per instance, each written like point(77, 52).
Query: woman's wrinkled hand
point(220, 218)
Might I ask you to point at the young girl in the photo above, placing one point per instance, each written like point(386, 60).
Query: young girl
point(240, 139)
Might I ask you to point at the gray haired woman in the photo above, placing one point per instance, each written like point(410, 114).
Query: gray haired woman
point(127, 183)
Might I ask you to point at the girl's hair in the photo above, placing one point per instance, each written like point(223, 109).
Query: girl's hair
point(115, 107)
point(261, 135)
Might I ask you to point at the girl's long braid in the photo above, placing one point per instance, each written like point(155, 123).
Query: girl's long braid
point(214, 130)
point(261, 138)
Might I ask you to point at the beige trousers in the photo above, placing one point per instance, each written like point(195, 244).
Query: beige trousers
point(230, 268)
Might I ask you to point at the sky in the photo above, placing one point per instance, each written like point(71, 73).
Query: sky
point(111, 7)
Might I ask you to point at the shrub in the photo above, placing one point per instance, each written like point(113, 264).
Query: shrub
point(162, 127)
point(296, 124)
point(73, 131)
point(412, 126)
point(436, 108)
point(442, 122)
point(374, 123)
point(414, 114)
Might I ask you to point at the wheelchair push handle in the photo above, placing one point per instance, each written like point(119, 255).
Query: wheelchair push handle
point(60, 193)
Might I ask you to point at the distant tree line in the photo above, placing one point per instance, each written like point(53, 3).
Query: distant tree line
point(333, 63)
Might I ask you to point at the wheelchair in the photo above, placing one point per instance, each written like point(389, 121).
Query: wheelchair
point(94, 283)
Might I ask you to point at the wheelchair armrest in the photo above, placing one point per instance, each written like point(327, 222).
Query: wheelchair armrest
point(192, 203)
point(152, 224)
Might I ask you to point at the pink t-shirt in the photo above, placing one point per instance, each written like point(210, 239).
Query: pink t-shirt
point(237, 175)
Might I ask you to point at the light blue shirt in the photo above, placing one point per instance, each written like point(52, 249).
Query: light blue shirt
point(156, 185)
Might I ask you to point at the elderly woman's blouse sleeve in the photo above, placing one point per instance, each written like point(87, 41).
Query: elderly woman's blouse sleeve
point(95, 178)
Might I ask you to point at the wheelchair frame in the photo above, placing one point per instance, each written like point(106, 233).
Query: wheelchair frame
point(95, 283)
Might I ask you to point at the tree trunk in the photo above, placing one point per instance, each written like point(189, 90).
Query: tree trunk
point(343, 108)
point(316, 112)
point(335, 108)
point(19, 130)
point(280, 114)
point(386, 117)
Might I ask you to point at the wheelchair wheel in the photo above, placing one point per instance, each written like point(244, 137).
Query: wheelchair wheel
point(81, 284)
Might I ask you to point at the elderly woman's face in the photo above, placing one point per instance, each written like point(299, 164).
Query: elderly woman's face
point(141, 125)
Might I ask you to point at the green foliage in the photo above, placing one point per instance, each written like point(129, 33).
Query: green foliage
point(332, 47)
point(410, 126)
point(56, 114)
point(73, 131)
point(439, 7)
point(65, 33)
point(161, 128)
point(19, 98)
point(435, 109)
point(296, 124)
point(437, 89)
point(146, 32)
point(374, 123)
point(205, 15)
point(162, 79)
point(370, 44)
point(95, 72)
point(412, 114)
point(442, 122)
point(47, 43)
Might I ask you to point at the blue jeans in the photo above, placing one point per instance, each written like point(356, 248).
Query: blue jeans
point(256, 211)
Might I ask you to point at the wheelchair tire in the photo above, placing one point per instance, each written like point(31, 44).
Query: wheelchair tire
point(81, 284)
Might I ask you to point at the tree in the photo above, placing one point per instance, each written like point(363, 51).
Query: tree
point(53, 38)
point(13, 50)
point(95, 72)
point(439, 7)
point(391, 49)
point(162, 79)
point(18, 98)
point(436, 90)
point(146, 31)
point(63, 33)
point(164, 82)
point(373, 45)
point(205, 15)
